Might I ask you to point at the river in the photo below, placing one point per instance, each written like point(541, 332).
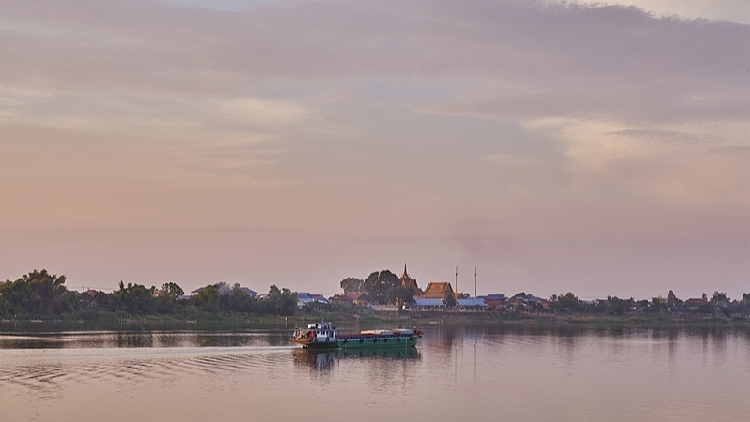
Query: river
point(456, 373)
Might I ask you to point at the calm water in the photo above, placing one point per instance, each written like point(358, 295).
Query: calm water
point(456, 373)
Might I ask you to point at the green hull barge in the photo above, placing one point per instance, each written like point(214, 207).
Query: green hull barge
point(325, 336)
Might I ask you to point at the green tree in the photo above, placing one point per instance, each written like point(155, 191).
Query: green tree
point(450, 301)
point(352, 285)
point(280, 302)
point(236, 300)
point(399, 295)
point(136, 299)
point(378, 283)
point(619, 306)
point(208, 298)
point(171, 289)
point(35, 292)
point(672, 300)
point(659, 304)
point(167, 296)
point(569, 301)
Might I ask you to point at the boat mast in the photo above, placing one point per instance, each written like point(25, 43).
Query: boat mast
point(456, 294)
point(475, 282)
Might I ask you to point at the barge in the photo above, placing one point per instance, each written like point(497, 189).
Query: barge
point(326, 336)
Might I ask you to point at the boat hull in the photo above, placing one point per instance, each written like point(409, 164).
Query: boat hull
point(367, 343)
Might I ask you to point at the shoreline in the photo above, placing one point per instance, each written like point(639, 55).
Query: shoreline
point(411, 318)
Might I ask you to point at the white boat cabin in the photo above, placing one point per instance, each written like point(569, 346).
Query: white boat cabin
point(323, 331)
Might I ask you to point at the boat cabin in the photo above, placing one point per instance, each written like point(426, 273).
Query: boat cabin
point(323, 331)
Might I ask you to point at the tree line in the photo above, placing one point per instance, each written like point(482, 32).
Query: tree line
point(718, 305)
point(41, 294)
point(382, 287)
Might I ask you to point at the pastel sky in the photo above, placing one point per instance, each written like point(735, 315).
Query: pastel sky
point(602, 149)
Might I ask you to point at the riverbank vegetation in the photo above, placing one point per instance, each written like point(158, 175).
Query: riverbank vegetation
point(40, 295)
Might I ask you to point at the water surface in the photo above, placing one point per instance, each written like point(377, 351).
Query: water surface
point(455, 373)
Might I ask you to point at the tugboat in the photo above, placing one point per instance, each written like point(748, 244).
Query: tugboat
point(326, 336)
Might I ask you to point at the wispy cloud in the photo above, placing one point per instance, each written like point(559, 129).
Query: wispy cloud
point(358, 119)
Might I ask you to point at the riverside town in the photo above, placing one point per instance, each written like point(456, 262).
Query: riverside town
point(41, 296)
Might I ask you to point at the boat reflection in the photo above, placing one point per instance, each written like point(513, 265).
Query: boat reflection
point(326, 359)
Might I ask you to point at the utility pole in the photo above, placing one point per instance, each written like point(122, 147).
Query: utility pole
point(456, 282)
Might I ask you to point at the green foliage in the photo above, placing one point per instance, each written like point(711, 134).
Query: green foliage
point(659, 304)
point(235, 300)
point(167, 298)
point(619, 306)
point(171, 289)
point(208, 298)
point(136, 299)
point(673, 301)
point(34, 293)
point(281, 302)
point(399, 294)
point(719, 298)
point(569, 301)
point(450, 301)
point(352, 285)
point(377, 285)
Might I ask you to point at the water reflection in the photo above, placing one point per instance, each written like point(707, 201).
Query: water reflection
point(459, 372)
point(141, 338)
point(326, 360)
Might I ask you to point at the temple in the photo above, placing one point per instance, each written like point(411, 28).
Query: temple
point(439, 290)
point(410, 283)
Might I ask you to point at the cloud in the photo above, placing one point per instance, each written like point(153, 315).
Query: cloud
point(257, 112)
point(662, 136)
point(379, 120)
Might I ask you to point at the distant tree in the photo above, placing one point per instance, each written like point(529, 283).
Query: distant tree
point(569, 301)
point(352, 285)
point(35, 293)
point(399, 295)
point(618, 306)
point(166, 298)
point(171, 289)
point(672, 300)
point(236, 300)
point(705, 308)
point(658, 304)
point(5, 307)
point(378, 283)
point(280, 302)
point(719, 298)
point(136, 299)
point(721, 303)
point(208, 298)
point(450, 301)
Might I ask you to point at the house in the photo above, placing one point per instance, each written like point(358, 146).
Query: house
point(356, 299)
point(225, 288)
point(420, 303)
point(304, 299)
point(473, 302)
point(438, 290)
point(693, 303)
point(523, 300)
point(494, 301)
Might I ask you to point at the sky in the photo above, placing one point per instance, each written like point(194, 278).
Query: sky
point(596, 148)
